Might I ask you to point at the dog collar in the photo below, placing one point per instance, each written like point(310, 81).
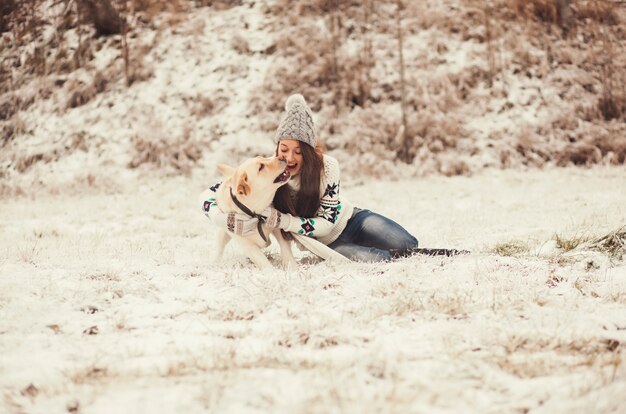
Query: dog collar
point(250, 213)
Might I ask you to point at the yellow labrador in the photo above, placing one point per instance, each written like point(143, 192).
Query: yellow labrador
point(249, 189)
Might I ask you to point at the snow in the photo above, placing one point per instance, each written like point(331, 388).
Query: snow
point(176, 332)
point(110, 302)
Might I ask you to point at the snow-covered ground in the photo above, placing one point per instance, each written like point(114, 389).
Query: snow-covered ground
point(109, 303)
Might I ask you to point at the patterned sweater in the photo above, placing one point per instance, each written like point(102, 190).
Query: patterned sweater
point(334, 212)
point(332, 216)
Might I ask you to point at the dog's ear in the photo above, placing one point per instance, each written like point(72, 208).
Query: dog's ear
point(226, 170)
point(243, 188)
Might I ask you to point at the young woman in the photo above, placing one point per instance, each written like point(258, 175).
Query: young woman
point(311, 203)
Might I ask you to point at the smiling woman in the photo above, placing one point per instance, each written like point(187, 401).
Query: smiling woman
point(311, 204)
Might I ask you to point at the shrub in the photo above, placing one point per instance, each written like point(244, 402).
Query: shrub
point(79, 93)
point(6, 8)
point(549, 11)
point(613, 146)
point(612, 106)
point(601, 11)
point(177, 152)
point(102, 15)
point(566, 12)
point(9, 105)
point(219, 4)
point(579, 154)
point(10, 129)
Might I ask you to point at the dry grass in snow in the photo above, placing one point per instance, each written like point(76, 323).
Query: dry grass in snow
point(109, 303)
point(108, 299)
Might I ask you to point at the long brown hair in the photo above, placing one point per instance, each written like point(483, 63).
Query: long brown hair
point(306, 201)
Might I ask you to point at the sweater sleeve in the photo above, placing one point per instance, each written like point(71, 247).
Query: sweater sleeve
point(209, 204)
point(330, 205)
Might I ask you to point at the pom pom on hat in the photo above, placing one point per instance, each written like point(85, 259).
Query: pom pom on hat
point(295, 99)
point(298, 122)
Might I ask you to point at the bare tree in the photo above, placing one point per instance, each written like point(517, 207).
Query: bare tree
point(366, 57)
point(491, 55)
point(125, 52)
point(404, 153)
point(335, 30)
point(564, 14)
point(612, 103)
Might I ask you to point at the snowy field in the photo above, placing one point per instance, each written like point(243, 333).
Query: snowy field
point(109, 304)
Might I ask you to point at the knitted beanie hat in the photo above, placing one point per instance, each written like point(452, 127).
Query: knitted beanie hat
point(297, 123)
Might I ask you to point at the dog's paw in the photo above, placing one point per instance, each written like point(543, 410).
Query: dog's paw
point(290, 265)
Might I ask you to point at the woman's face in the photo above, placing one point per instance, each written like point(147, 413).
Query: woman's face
point(289, 150)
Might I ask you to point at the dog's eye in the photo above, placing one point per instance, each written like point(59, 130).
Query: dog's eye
point(261, 167)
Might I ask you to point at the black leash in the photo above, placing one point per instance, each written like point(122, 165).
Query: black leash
point(398, 253)
point(250, 213)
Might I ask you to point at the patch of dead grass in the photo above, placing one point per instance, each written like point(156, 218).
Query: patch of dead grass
point(570, 243)
point(513, 248)
point(612, 244)
point(601, 11)
point(12, 129)
point(531, 357)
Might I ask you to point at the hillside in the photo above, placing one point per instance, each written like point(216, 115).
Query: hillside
point(508, 84)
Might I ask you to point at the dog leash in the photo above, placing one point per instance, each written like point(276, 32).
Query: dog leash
point(320, 249)
point(250, 213)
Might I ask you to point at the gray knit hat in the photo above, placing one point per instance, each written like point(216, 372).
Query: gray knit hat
point(298, 122)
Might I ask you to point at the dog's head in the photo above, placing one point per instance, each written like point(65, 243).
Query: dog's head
point(256, 180)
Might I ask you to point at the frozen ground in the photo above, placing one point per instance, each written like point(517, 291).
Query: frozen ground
point(109, 303)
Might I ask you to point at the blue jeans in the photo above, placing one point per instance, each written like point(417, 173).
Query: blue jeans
point(368, 237)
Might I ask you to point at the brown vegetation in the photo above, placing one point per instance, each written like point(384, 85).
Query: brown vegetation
point(52, 54)
point(14, 127)
point(344, 81)
point(6, 9)
point(374, 91)
point(179, 153)
point(102, 15)
point(77, 142)
point(613, 244)
point(38, 65)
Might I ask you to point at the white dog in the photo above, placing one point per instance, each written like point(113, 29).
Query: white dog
point(249, 189)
